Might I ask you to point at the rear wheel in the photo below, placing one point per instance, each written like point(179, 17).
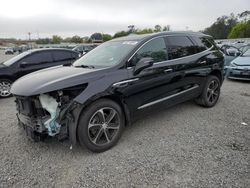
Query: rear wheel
point(5, 85)
point(210, 93)
point(101, 125)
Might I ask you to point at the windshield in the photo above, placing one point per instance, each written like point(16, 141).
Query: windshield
point(244, 48)
point(16, 58)
point(106, 55)
point(247, 53)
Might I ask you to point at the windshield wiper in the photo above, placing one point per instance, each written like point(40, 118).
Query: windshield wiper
point(86, 66)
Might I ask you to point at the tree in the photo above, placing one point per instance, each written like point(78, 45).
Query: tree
point(56, 39)
point(131, 28)
point(157, 28)
point(120, 34)
point(144, 31)
point(244, 15)
point(43, 41)
point(67, 39)
point(86, 39)
point(240, 30)
point(106, 37)
point(222, 26)
point(76, 39)
point(166, 28)
point(96, 37)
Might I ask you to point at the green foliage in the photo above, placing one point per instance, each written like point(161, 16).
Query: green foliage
point(76, 39)
point(56, 39)
point(96, 37)
point(240, 30)
point(106, 37)
point(222, 27)
point(144, 31)
point(157, 28)
point(121, 34)
point(43, 41)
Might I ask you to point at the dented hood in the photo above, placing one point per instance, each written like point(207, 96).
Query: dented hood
point(52, 79)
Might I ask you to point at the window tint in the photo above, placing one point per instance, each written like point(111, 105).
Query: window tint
point(202, 43)
point(75, 55)
point(155, 49)
point(62, 56)
point(179, 46)
point(39, 57)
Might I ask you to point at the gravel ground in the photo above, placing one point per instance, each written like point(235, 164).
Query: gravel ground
point(183, 146)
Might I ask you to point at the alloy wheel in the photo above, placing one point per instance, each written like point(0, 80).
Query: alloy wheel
point(5, 88)
point(213, 91)
point(103, 126)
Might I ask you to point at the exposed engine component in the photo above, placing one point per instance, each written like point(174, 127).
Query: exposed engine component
point(50, 104)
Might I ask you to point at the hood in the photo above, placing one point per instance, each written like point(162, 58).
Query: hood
point(242, 61)
point(52, 79)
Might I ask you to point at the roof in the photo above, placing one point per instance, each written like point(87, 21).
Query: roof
point(151, 35)
point(50, 49)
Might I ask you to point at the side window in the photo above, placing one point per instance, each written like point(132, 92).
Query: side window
point(75, 55)
point(179, 46)
point(202, 43)
point(155, 49)
point(62, 56)
point(38, 58)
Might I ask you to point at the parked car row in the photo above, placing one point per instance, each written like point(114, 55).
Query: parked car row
point(84, 48)
point(237, 62)
point(31, 61)
point(92, 100)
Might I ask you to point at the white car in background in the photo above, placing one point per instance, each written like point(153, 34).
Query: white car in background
point(9, 51)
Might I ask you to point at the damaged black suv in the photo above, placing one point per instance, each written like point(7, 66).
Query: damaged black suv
point(92, 100)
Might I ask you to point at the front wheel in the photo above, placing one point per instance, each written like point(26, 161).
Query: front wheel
point(210, 93)
point(5, 86)
point(101, 125)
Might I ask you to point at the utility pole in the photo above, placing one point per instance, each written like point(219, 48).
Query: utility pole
point(29, 33)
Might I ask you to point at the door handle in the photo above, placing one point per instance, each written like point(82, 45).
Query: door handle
point(125, 82)
point(202, 62)
point(168, 70)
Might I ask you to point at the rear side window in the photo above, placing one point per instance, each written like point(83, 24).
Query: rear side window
point(62, 56)
point(38, 58)
point(155, 49)
point(202, 43)
point(179, 46)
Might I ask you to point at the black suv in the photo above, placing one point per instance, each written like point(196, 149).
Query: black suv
point(92, 100)
point(31, 61)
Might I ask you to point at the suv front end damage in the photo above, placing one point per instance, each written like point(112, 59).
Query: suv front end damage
point(51, 114)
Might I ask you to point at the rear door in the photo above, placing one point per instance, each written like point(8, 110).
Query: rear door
point(34, 62)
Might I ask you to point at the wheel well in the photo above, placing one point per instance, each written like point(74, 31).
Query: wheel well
point(6, 77)
point(217, 73)
point(121, 104)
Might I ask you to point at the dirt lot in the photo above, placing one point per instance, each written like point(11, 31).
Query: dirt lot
point(183, 146)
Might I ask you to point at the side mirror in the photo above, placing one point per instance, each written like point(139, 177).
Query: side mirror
point(143, 64)
point(23, 64)
point(237, 54)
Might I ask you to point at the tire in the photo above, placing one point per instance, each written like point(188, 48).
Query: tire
point(210, 93)
point(5, 85)
point(97, 129)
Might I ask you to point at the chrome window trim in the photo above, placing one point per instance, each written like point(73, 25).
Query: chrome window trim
point(170, 59)
point(166, 98)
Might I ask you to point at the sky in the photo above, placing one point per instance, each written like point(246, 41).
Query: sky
point(44, 18)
